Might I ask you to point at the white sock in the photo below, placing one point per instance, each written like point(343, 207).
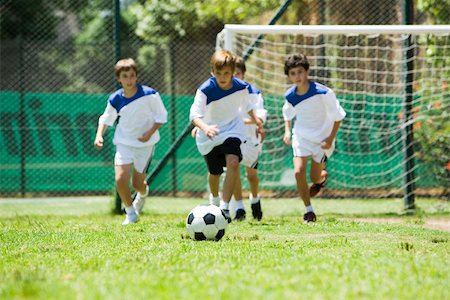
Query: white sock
point(130, 210)
point(240, 204)
point(309, 208)
point(254, 200)
point(214, 200)
point(223, 204)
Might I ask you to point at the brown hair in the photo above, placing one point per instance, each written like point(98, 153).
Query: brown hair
point(240, 64)
point(125, 65)
point(294, 61)
point(222, 58)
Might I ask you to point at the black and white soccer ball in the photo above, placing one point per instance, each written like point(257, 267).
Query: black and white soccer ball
point(206, 222)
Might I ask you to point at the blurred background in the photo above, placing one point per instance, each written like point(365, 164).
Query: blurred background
point(56, 72)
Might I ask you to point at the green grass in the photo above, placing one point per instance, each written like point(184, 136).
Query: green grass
point(77, 249)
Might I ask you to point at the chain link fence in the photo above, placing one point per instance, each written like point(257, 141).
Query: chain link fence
point(56, 72)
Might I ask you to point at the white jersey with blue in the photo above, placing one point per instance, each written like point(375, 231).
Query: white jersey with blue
point(315, 112)
point(257, 99)
point(222, 108)
point(136, 114)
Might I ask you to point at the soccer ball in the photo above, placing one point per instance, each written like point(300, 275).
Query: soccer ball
point(206, 222)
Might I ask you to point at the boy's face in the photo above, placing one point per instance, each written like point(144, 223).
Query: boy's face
point(224, 77)
point(298, 76)
point(238, 73)
point(128, 79)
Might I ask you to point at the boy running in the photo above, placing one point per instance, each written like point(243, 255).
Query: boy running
point(141, 113)
point(318, 115)
point(216, 111)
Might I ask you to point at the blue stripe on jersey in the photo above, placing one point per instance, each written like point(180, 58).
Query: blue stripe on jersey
point(118, 101)
point(314, 89)
point(213, 92)
point(252, 89)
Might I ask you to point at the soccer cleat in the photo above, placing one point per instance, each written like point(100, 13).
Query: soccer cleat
point(240, 215)
point(130, 219)
point(139, 201)
point(226, 214)
point(315, 188)
point(309, 217)
point(256, 211)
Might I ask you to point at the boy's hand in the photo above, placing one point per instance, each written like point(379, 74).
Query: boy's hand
point(261, 132)
point(194, 131)
point(211, 131)
point(98, 143)
point(145, 137)
point(326, 143)
point(287, 138)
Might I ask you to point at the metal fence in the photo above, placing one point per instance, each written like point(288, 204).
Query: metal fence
point(56, 71)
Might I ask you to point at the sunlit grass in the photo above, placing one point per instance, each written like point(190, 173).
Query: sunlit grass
point(79, 250)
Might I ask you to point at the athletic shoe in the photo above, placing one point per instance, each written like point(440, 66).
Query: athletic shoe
point(309, 217)
point(139, 201)
point(256, 211)
point(130, 219)
point(315, 188)
point(226, 214)
point(240, 215)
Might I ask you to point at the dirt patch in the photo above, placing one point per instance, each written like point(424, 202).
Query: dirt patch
point(433, 223)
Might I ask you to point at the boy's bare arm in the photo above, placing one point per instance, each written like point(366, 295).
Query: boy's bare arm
point(101, 129)
point(148, 134)
point(287, 132)
point(326, 144)
point(259, 125)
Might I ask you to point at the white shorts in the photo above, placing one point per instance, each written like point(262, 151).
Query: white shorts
point(305, 148)
point(250, 153)
point(140, 157)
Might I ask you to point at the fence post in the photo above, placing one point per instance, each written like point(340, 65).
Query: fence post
point(409, 177)
point(117, 56)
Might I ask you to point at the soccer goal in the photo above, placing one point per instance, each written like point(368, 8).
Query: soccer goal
point(391, 80)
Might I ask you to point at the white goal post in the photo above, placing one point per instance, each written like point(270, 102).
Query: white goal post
point(391, 79)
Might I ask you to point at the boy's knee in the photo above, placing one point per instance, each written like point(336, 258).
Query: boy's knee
point(232, 163)
point(301, 172)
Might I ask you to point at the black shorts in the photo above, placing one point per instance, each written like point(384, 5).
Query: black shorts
point(215, 159)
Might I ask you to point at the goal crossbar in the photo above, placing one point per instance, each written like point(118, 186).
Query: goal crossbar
point(338, 29)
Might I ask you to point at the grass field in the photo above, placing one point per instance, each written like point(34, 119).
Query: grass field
point(76, 249)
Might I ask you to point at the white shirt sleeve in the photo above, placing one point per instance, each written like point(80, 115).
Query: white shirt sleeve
point(260, 111)
point(109, 116)
point(288, 111)
point(335, 111)
point(250, 103)
point(158, 109)
point(198, 107)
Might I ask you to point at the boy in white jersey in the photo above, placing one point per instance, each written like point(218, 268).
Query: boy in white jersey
point(318, 115)
point(141, 113)
point(216, 111)
point(251, 149)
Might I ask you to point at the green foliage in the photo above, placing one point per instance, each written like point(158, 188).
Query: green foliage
point(437, 10)
point(160, 21)
point(28, 19)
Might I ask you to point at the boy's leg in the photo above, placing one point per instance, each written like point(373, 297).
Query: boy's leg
point(142, 158)
point(232, 164)
point(318, 177)
point(253, 180)
point(214, 183)
point(300, 164)
point(122, 174)
point(140, 186)
point(240, 209)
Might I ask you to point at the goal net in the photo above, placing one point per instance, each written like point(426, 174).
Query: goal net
point(391, 80)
